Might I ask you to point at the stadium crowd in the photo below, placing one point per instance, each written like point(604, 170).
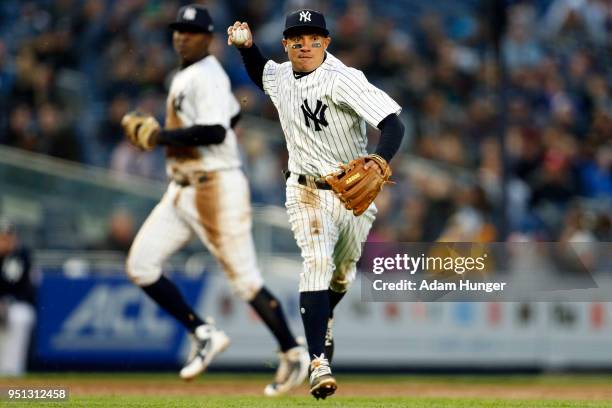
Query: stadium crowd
point(69, 70)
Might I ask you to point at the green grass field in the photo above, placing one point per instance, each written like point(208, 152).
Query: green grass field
point(256, 402)
point(240, 390)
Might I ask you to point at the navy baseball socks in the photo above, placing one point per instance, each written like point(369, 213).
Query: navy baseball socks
point(206, 340)
point(165, 293)
point(315, 311)
point(270, 311)
point(334, 299)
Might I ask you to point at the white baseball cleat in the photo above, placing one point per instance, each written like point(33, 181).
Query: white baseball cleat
point(322, 383)
point(292, 371)
point(206, 342)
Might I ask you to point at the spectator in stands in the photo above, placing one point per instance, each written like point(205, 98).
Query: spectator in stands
point(6, 69)
point(470, 221)
point(57, 137)
point(21, 130)
point(520, 46)
point(572, 24)
point(110, 132)
point(120, 233)
point(596, 175)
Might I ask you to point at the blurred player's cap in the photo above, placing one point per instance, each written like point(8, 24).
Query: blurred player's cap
point(6, 227)
point(305, 19)
point(193, 17)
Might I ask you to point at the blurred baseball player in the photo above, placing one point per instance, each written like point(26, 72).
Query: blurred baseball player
point(17, 298)
point(208, 196)
point(323, 106)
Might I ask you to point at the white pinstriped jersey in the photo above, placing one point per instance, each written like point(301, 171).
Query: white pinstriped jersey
point(323, 114)
point(203, 96)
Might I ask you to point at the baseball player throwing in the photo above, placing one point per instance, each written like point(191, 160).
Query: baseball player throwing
point(323, 106)
point(208, 196)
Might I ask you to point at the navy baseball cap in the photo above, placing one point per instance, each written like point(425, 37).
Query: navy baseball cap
point(193, 17)
point(305, 19)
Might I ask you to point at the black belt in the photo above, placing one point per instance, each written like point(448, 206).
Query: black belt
point(309, 181)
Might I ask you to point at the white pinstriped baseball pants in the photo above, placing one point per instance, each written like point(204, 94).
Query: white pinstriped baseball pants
point(329, 236)
point(15, 338)
point(218, 211)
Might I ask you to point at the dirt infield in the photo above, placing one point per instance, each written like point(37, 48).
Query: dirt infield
point(89, 385)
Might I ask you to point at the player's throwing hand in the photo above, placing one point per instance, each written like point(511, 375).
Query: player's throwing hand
point(239, 35)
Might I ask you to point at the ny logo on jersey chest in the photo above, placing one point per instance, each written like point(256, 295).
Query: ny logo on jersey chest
point(318, 116)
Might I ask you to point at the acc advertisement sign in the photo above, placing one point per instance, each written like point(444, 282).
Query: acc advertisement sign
point(106, 320)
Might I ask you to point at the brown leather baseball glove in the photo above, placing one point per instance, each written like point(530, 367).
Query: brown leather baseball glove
point(356, 185)
point(140, 129)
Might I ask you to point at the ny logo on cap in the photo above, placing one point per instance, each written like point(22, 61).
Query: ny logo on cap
point(189, 14)
point(304, 16)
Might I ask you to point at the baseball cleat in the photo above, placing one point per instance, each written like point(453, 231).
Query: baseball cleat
point(329, 340)
point(292, 371)
point(206, 342)
point(322, 383)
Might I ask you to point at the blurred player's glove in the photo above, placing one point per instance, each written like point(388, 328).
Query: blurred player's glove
point(358, 184)
point(140, 129)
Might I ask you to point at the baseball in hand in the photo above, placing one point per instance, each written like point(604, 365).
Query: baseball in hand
point(240, 36)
